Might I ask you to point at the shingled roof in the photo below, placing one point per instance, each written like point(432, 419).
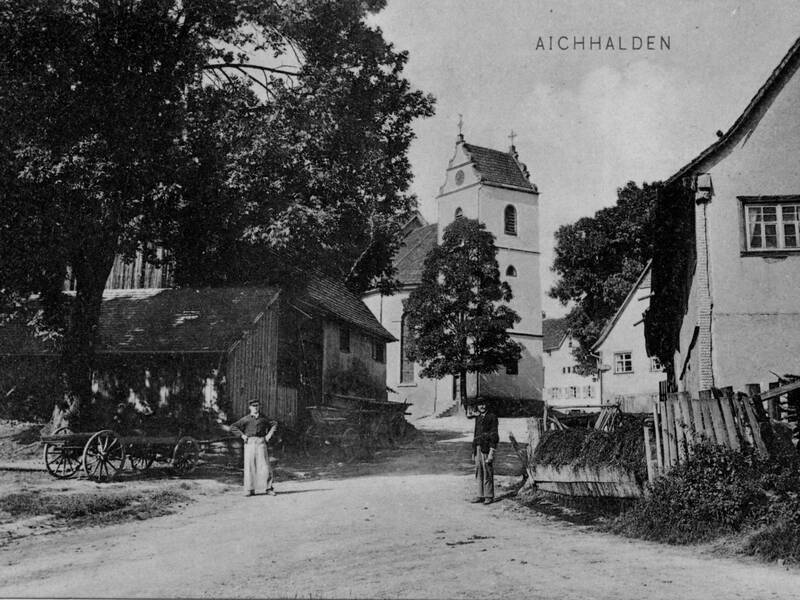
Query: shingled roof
point(183, 320)
point(553, 333)
point(334, 300)
point(161, 320)
point(498, 168)
point(410, 258)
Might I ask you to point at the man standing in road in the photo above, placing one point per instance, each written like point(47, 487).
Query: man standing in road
point(256, 431)
point(484, 444)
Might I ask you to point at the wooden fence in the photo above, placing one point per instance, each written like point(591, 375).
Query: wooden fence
point(719, 416)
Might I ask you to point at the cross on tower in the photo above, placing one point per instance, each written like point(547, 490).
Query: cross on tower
point(511, 136)
point(460, 123)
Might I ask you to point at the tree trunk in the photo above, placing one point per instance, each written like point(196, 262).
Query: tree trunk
point(80, 341)
point(463, 388)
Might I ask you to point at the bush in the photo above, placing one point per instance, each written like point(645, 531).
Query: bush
point(716, 491)
point(779, 535)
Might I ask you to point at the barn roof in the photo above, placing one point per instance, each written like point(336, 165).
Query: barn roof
point(498, 168)
point(190, 320)
point(334, 300)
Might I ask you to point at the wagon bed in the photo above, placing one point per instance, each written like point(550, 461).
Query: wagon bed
point(102, 454)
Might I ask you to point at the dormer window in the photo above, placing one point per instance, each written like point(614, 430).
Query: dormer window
point(510, 220)
point(459, 213)
point(511, 271)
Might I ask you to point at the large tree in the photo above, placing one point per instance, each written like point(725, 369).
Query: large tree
point(127, 125)
point(598, 259)
point(458, 316)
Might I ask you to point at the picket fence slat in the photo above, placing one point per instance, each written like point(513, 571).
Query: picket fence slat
point(720, 416)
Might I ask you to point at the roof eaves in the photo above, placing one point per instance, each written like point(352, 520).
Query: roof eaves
point(610, 325)
point(784, 68)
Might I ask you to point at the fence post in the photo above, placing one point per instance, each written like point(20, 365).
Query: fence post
point(754, 391)
point(688, 426)
point(774, 404)
point(755, 426)
point(647, 453)
point(657, 428)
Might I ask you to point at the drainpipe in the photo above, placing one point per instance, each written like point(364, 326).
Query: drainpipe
point(704, 191)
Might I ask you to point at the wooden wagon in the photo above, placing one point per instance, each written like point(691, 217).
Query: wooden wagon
point(102, 454)
point(352, 425)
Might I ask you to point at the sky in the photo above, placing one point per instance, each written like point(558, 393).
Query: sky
point(587, 121)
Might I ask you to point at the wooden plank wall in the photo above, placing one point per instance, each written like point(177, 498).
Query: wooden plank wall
point(252, 368)
point(718, 416)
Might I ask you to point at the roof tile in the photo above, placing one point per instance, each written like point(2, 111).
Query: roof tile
point(499, 168)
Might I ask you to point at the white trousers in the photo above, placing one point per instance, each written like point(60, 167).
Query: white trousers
point(257, 474)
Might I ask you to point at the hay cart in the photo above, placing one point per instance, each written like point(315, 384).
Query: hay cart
point(102, 454)
point(352, 425)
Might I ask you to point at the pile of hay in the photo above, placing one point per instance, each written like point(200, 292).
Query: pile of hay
point(622, 448)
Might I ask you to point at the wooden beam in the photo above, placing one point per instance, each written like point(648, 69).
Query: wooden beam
point(779, 391)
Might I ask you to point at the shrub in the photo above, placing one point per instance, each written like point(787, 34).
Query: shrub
point(716, 491)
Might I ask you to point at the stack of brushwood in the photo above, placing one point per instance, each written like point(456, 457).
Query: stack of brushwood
point(578, 461)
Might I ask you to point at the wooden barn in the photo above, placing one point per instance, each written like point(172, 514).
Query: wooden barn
point(184, 352)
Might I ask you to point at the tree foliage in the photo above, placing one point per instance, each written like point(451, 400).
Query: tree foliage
point(598, 259)
point(457, 316)
point(229, 132)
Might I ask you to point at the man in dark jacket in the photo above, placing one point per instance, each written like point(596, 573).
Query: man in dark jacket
point(484, 445)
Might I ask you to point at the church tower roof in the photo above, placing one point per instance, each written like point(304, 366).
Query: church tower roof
point(498, 168)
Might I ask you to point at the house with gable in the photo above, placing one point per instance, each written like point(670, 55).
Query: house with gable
point(492, 186)
point(628, 376)
point(725, 309)
point(564, 386)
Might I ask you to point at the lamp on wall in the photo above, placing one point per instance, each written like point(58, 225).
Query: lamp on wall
point(703, 187)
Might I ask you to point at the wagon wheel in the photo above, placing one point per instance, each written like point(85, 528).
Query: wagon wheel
point(103, 456)
point(380, 433)
point(350, 443)
point(186, 455)
point(311, 441)
point(141, 457)
point(60, 460)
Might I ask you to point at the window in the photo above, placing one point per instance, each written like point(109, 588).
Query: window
point(773, 225)
point(406, 365)
point(344, 339)
point(459, 213)
point(510, 220)
point(655, 365)
point(378, 351)
point(587, 391)
point(573, 391)
point(512, 368)
point(511, 271)
point(623, 362)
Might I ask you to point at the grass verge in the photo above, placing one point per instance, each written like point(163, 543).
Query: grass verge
point(93, 508)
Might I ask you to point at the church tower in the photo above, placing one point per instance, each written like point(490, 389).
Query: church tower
point(493, 187)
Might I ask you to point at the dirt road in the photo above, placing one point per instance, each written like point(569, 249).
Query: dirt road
point(396, 534)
